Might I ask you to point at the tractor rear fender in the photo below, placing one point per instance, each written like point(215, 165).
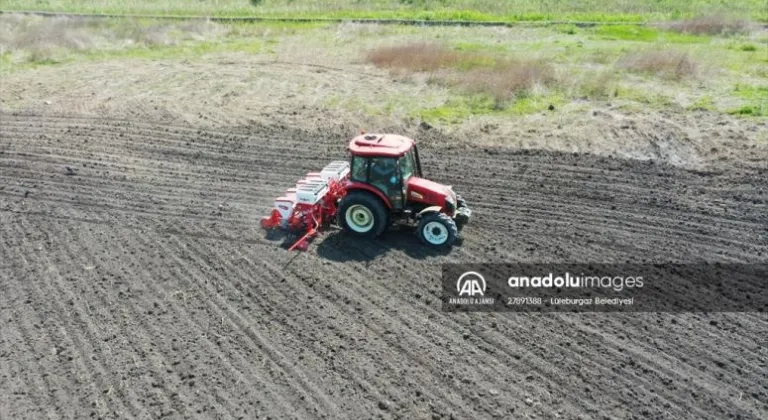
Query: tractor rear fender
point(428, 210)
point(360, 186)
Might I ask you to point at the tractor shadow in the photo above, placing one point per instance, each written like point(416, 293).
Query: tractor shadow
point(338, 246)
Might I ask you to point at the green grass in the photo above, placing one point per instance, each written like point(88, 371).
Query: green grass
point(650, 99)
point(6, 59)
point(466, 46)
point(36, 41)
point(459, 108)
point(752, 93)
point(472, 10)
point(705, 103)
point(568, 29)
point(756, 100)
point(152, 52)
point(644, 34)
point(533, 104)
point(627, 33)
point(583, 60)
point(751, 110)
point(280, 27)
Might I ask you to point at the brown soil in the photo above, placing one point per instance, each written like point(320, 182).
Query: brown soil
point(301, 91)
point(137, 284)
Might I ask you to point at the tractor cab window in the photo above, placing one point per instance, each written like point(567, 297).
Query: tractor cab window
point(407, 166)
point(359, 170)
point(384, 173)
point(385, 176)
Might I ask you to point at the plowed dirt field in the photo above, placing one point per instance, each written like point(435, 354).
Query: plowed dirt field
point(136, 283)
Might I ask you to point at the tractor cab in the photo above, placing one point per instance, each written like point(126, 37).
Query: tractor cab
point(386, 182)
point(384, 165)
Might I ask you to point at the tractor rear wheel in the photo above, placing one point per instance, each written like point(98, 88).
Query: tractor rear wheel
point(437, 230)
point(362, 214)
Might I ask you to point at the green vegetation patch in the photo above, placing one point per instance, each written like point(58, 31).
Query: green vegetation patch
point(645, 97)
point(461, 10)
point(465, 46)
point(645, 34)
point(151, 52)
point(756, 98)
point(753, 93)
point(705, 103)
point(460, 108)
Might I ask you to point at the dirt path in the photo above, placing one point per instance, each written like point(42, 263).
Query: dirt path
point(138, 285)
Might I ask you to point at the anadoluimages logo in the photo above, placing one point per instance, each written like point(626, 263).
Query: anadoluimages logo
point(471, 283)
point(471, 287)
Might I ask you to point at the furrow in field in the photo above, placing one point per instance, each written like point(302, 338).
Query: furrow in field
point(70, 331)
point(180, 284)
point(24, 387)
point(205, 273)
point(132, 336)
point(331, 314)
point(269, 377)
point(234, 369)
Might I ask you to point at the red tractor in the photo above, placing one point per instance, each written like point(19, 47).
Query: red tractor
point(381, 184)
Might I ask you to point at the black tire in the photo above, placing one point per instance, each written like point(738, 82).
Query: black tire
point(437, 230)
point(357, 202)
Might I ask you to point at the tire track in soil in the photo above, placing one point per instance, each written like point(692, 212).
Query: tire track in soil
point(162, 145)
point(341, 300)
point(429, 372)
point(295, 291)
point(38, 333)
point(136, 313)
point(629, 382)
point(147, 179)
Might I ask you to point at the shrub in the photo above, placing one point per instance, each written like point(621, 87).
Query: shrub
point(419, 56)
point(599, 85)
point(666, 63)
point(474, 72)
point(709, 25)
point(507, 79)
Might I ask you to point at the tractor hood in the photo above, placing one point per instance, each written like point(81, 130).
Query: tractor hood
point(429, 192)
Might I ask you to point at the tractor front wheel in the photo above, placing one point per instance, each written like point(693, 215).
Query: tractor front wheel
point(362, 214)
point(437, 230)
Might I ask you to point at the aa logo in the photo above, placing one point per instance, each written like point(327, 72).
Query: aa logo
point(471, 283)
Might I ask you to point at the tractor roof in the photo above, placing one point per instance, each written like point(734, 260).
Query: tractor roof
point(389, 145)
